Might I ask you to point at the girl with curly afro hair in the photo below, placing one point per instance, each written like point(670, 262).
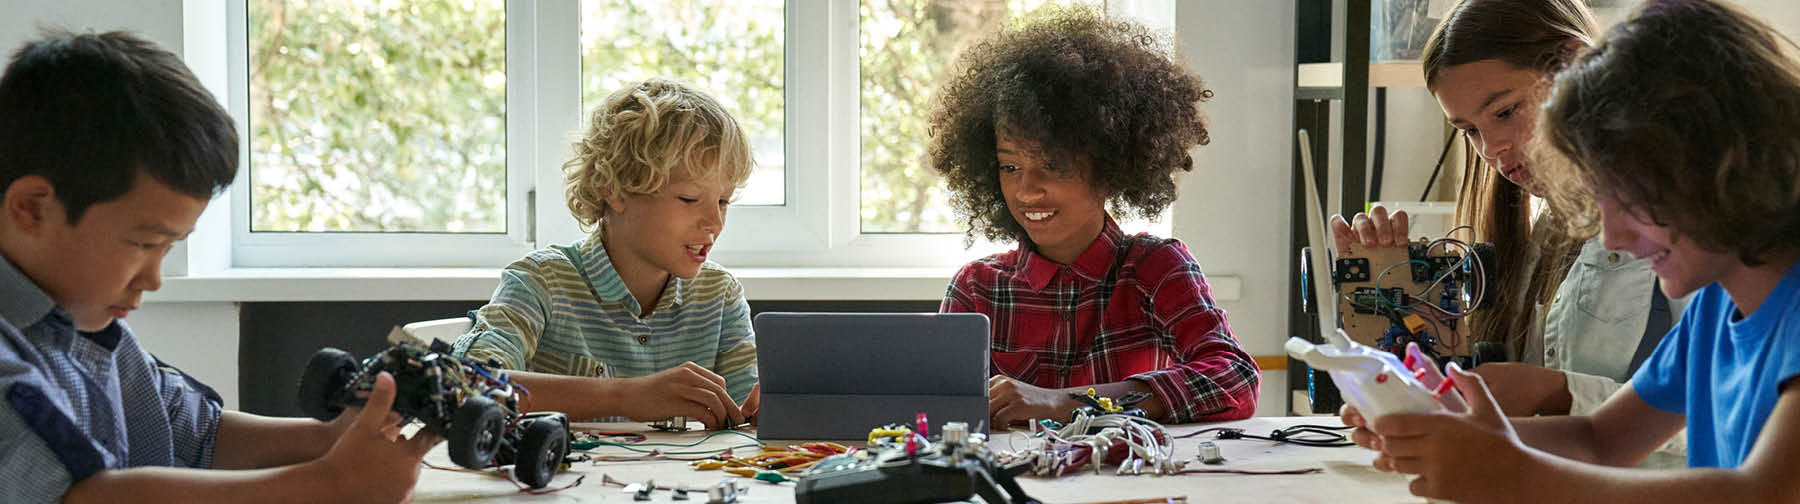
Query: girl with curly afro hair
point(1046, 124)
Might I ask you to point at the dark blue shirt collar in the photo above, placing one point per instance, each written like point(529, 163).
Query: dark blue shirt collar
point(22, 303)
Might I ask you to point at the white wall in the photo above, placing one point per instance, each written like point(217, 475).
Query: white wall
point(199, 338)
point(156, 20)
point(1415, 137)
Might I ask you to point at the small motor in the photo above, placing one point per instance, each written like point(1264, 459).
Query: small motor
point(956, 433)
point(724, 492)
point(674, 424)
point(1209, 454)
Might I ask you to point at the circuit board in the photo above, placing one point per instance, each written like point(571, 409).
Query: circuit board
point(1390, 296)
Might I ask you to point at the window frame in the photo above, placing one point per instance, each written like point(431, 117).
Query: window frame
point(821, 223)
point(524, 70)
point(818, 226)
point(834, 238)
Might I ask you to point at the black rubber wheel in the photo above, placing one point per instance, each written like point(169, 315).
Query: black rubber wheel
point(325, 377)
point(541, 452)
point(564, 454)
point(1487, 351)
point(475, 434)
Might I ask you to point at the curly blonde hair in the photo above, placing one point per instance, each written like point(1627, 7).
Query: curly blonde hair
point(641, 134)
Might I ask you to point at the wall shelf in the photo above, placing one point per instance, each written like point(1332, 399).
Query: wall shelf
point(1388, 74)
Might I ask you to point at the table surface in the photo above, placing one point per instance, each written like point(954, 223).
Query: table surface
point(1347, 477)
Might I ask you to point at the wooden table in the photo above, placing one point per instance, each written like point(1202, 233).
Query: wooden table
point(1347, 477)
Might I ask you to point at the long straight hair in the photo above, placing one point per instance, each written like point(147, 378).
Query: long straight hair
point(1539, 35)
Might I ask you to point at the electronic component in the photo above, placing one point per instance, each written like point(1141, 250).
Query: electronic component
point(1378, 301)
point(1420, 264)
point(675, 424)
point(922, 426)
point(956, 433)
point(1209, 454)
point(1351, 269)
point(725, 492)
point(1414, 323)
point(1391, 296)
point(886, 473)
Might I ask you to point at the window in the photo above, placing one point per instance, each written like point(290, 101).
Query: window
point(377, 116)
point(907, 46)
point(730, 48)
point(433, 132)
point(387, 133)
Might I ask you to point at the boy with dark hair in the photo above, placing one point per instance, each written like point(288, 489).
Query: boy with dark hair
point(109, 151)
point(1679, 128)
point(1045, 125)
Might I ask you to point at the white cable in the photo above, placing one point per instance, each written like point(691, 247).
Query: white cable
point(1050, 451)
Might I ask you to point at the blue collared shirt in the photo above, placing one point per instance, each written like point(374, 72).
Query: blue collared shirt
point(74, 403)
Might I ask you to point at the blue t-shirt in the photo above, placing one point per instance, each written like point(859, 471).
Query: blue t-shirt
point(1723, 374)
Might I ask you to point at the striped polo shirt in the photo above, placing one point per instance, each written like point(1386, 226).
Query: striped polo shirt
point(564, 310)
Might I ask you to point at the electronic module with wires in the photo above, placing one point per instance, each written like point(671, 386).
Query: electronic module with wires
point(1391, 296)
point(903, 465)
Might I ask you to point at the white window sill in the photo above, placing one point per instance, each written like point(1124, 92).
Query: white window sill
point(459, 284)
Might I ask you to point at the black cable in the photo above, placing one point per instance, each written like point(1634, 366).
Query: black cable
point(1448, 140)
point(1323, 436)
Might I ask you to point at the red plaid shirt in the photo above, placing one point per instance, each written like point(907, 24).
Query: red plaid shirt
point(1130, 307)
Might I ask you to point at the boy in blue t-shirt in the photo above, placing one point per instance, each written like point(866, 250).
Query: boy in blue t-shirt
point(1680, 129)
point(109, 151)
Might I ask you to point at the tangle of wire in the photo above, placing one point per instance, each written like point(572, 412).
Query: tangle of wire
point(1478, 274)
point(500, 387)
point(1089, 441)
point(1474, 291)
point(655, 449)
